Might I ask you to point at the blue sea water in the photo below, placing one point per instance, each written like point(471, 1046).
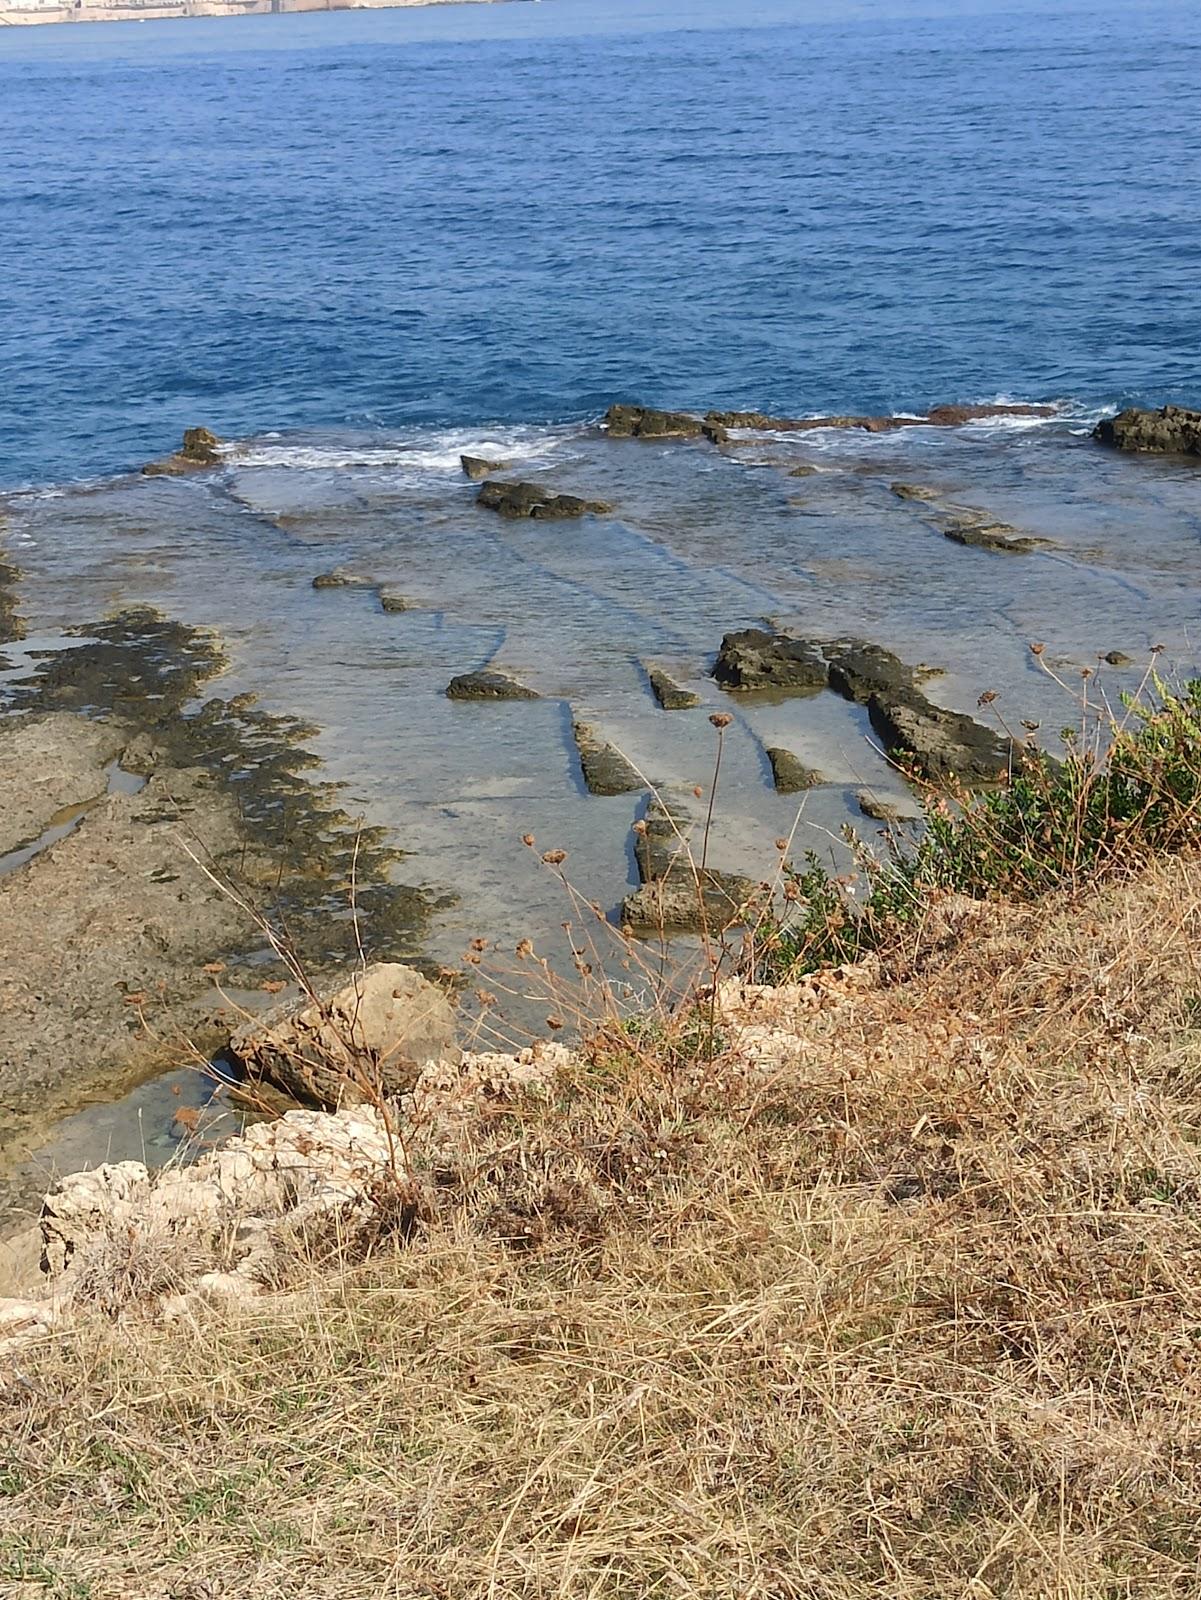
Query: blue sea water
point(516, 213)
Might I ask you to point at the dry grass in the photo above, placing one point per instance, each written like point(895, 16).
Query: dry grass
point(916, 1312)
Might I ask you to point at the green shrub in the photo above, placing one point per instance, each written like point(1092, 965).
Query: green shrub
point(1131, 790)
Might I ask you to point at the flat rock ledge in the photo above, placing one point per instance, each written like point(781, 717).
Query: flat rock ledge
point(519, 500)
point(644, 422)
point(1173, 430)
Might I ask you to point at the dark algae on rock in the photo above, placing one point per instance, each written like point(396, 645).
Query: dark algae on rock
point(668, 692)
point(754, 658)
point(1173, 430)
point(199, 449)
point(488, 684)
point(518, 500)
point(606, 771)
point(11, 626)
point(677, 894)
point(300, 852)
point(789, 773)
point(644, 422)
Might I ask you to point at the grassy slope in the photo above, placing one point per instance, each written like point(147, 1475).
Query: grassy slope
point(913, 1310)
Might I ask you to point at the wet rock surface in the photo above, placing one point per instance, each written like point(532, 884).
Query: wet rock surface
point(754, 658)
point(876, 807)
point(488, 684)
point(644, 422)
point(677, 895)
point(200, 449)
point(668, 692)
point(606, 771)
point(343, 578)
point(105, 934)
point(353, 1042)
point(944, 416)
point(392, 601)
point(928, 740)
point(11, 625)
point(1172, 430)
point(478, 468)
point(789, 773)
point(518, 500)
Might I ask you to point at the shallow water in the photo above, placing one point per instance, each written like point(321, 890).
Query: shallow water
point(700, 541)
point(358, 244)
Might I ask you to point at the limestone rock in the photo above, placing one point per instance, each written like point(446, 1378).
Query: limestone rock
point(351, 1043)
point(753, 658)
point(644, 422)
point(1173, 430)
point(488, 684)
point(606, 771)
point(677, 895)
point(668, 692)
point(790, 774)
point(477, 468)
point(518, 500)
point(199, 449)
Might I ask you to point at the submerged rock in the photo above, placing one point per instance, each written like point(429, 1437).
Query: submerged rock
point(477, 468)
point(644, 422)
point(392, 601)
point(606, 771)
point(753, 658)
point(488, 684)
point(517, 500)
point(668, 692)
point(677, 895)
point(200, 448)
point(343, 578)
point(879, 810)
point(914, 491)
point(945, 416)
point(978, 533)
point(789, 773)
point(1173, 430)
point(1117, 658)
point(353, 1043)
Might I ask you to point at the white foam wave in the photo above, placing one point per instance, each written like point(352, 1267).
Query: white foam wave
point(424, 456)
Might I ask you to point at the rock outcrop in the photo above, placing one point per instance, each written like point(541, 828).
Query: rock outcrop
point(353, 1044)
point(677, 894)
point(754, 658)
point(644, 422)
point(519, 500)
point(488, 684)
point(928, 740)
point(199, 449)
point(668, 692)
point(606, 771)
point(1173, 430)
point(477, 468)
point(789, 773)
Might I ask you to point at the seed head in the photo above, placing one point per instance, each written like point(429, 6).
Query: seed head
point(781, 844)
point(640, 826)
point(721, 719)
point(987, 698)
point(553, 858)
point(525, 947)
point(527, 839)
point(1037, 649)
point(554, 1023)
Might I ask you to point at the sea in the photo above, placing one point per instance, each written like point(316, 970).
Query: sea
point(359, 244)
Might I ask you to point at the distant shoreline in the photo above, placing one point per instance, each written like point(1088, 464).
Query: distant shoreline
point(161, 10)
